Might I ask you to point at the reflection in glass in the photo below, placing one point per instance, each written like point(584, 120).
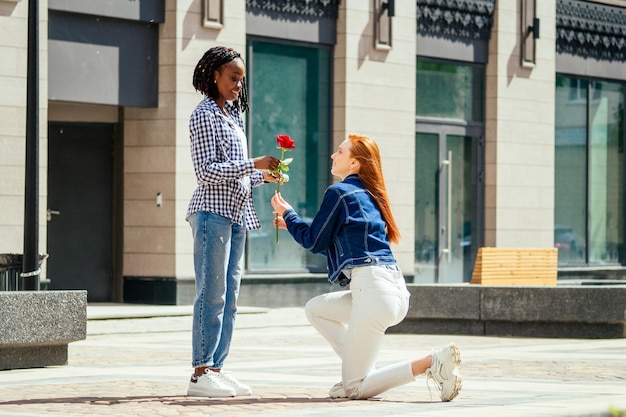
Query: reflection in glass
point(426, 207)
point(605, 172)
point(589, 183)
point(451, 91)
point(290, 94)
point(570, 170)
point(460, 207)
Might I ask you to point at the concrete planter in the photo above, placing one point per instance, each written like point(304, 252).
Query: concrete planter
point(526, 311)
point(37, 326)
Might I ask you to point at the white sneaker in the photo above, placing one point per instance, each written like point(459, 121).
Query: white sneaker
point(209, 384)
point(230, 381)
point(444, 371)
point(337, 391)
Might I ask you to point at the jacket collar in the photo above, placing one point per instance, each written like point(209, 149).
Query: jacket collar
point(352, 179)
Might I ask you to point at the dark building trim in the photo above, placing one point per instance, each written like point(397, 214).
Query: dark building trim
point(454, 19)
point(313, 21)
point(591, 30)
point(302, 10)
point(454, 29)
point(140, 10)
point(102, 60)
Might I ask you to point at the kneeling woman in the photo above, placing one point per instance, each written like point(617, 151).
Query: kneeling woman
point(353, 228)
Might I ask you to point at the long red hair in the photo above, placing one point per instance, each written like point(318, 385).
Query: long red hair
point(366, 151)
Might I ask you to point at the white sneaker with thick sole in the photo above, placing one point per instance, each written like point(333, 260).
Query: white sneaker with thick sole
point(445, 372)
point(230, 381)
point(337, 391)
point(209, 384)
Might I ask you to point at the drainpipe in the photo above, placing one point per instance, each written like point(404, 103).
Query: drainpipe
point(30, 265)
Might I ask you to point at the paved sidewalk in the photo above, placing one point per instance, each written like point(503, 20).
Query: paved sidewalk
point(140, 366)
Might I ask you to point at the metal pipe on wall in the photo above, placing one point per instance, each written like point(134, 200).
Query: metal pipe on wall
point(30, 267)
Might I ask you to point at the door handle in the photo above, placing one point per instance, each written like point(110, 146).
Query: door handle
point(448, 249)
point(49, 214)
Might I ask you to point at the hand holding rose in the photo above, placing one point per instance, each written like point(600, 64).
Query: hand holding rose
point(279, 204)
point(266, 162)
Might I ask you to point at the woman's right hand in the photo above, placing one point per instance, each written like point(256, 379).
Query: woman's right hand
point(266, 162)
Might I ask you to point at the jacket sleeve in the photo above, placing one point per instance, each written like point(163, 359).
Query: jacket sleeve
point(319, 235)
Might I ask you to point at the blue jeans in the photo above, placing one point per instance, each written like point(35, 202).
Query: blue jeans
point(218, 259)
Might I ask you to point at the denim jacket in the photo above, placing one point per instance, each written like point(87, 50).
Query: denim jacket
point(348, 229)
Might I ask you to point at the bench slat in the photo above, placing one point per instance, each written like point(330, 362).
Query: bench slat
point(513, 266)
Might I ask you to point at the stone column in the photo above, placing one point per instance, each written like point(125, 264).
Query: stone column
point(519, 180)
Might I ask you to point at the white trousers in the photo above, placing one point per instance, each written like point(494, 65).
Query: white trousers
point(354, 323)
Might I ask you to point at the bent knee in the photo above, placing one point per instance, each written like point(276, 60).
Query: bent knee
point(312, 307)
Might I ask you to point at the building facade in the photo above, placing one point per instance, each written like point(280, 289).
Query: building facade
point(501, 123)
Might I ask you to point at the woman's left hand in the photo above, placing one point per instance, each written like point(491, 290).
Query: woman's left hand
point(280, 222)
point(269, 177)
point(279, 204)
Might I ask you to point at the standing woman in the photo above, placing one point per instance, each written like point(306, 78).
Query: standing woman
point(220, 212)
point(353, 229)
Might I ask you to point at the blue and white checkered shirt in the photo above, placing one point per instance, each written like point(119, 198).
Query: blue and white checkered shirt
point(224, 173)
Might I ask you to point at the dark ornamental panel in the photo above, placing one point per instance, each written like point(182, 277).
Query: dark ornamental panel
point(591, 30)
point(469, 19)
point(304, 9)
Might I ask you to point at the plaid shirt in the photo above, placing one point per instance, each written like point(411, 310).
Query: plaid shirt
point(224, 173)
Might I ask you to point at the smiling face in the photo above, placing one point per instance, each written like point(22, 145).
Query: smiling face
point(343, 162)
point(229, 80)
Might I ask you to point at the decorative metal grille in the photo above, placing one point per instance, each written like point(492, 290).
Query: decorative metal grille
point(295, 8)
point(591, 30)
point(455, 18)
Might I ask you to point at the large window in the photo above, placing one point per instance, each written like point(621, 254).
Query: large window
point(589, 165)
point(449, 90)
point(290, 93)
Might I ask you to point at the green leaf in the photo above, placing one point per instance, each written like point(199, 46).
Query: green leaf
point(287, 161)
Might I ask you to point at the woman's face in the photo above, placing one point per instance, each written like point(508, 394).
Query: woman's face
point(343, 162)
point(229, 80)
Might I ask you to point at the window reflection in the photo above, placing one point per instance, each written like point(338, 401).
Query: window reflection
point(589, 183)
point(304, 114)
point(450, 91)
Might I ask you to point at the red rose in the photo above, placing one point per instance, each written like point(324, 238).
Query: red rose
point(284, 141)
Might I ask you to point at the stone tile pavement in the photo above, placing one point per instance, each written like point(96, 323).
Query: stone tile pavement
point(136, 362)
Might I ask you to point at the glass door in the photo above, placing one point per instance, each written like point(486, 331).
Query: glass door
point(448, 207)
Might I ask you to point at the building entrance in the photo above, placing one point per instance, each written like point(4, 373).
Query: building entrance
point(448, 202)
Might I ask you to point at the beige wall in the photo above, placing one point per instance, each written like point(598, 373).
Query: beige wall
point(374, 95)
point(13, 85)
point(519, 194)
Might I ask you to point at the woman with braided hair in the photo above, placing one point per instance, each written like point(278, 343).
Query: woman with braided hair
point(220, 212)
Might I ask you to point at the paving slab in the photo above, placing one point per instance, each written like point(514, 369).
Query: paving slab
point(140, 366)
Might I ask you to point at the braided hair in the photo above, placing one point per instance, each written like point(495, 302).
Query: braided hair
point(204, 74)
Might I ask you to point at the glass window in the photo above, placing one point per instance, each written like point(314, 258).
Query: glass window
point(589, 158)
point(451, 91)
point(290, 92)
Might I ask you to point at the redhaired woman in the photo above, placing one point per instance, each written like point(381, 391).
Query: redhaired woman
point(353, 228)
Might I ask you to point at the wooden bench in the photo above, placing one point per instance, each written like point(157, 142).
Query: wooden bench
point(515, 266)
